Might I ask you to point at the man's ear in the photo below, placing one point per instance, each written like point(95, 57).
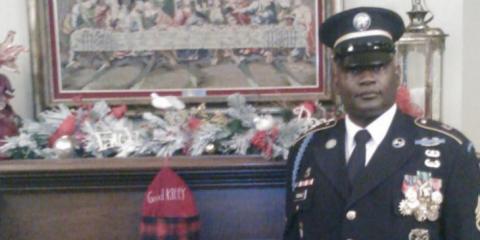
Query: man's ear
point(397, 71)
point(335, 75)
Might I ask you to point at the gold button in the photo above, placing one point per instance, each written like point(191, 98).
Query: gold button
point(351, 215)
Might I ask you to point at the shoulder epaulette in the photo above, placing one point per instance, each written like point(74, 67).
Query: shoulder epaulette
point(329, 123)
point(440, 128)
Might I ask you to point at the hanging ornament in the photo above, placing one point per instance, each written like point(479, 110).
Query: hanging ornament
point(210, 148)
point(219, 118)
point(200, 111)
point(264, 123)
point(64, 147)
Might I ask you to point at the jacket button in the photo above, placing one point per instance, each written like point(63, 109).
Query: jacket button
point(351, 215)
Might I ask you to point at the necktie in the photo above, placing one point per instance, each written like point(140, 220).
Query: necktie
point(357, 160)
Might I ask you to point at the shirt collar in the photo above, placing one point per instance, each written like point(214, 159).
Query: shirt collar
point(378, 128)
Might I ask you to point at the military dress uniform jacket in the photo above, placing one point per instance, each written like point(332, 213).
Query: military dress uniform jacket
point(423, 182)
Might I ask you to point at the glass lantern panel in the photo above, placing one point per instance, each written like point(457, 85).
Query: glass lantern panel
point(421, 64)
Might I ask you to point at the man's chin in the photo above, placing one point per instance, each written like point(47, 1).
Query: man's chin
point(370, 112)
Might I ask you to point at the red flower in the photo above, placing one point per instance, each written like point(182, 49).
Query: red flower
point(264, 140)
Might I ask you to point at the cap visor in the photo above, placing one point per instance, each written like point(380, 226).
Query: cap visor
point(366, 59)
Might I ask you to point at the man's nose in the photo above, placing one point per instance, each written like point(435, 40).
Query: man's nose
point(367, 76)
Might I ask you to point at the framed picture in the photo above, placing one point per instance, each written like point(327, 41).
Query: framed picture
point(200, 50)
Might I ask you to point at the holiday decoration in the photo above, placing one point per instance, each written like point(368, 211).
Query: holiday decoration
point(168, 102)
point(169, 209)
point(64, 147)
point(10, 52)
point(9, 121)
point(99, 130)
point(405, 103)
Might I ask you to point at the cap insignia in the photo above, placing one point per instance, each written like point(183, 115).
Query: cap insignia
point(362, 21)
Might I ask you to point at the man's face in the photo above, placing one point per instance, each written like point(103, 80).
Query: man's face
point(367, 92)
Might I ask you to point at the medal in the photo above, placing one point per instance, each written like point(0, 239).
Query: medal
point(419, 234)
point(305, 183)
point(423, 197)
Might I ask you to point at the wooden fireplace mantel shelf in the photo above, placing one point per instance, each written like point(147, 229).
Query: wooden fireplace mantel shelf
point(103, 198)
point(134, 173)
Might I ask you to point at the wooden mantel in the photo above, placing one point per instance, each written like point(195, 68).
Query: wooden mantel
point(238, 197)
point(134, 173)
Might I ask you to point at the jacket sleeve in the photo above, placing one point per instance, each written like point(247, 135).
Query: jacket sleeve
point(462, 196)
point(291, 227)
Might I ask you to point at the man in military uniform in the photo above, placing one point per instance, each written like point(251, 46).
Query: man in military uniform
point(379, 174)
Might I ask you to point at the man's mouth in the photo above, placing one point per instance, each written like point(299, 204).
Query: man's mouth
point(368, 95)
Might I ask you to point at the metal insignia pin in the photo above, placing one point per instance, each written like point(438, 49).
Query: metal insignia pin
point(432, 153)
point(430, 142)
point(301, 196)
point(432, 163)
point(362, 21)
point(331, 143)
point(307, 172)
point(399, 143)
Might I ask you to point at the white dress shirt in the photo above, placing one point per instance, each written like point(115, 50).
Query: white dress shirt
point(378, 130)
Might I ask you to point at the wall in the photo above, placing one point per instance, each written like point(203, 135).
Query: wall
point(13, 16)
point(460, 68)
point(471, 74)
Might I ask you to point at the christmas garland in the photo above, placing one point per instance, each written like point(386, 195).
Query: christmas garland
point(99, 130)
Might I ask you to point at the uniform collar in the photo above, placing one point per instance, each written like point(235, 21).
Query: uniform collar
point(378, 128)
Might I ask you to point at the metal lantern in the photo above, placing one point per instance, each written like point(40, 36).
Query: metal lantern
point(420, 53)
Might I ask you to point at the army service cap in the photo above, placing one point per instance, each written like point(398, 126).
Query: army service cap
point(363, 36)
